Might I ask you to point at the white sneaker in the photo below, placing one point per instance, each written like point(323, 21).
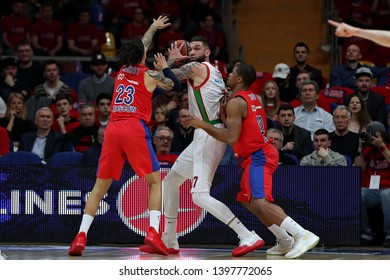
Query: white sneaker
point(282, 246)
point(172, 245)
point(302, 243)
point(2, 256)
point(248, 244)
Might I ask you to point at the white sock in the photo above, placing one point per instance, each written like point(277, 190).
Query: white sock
point(86, 223)
point(239, 228)
point(291, 226)
point(170, 227)
point(279, 232)
point(154, 219)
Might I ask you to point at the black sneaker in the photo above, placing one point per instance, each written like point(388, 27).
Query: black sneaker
point(386, 244)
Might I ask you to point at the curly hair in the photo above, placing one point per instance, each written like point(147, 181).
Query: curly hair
point(131, 52)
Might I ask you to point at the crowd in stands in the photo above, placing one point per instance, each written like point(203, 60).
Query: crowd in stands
point(312, 119)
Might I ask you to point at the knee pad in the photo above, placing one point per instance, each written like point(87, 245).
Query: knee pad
point(200, 199)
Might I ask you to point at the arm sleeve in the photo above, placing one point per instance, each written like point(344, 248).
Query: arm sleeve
point(169, 74)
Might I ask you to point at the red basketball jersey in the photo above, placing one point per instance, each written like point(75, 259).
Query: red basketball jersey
point(254, 126)
point(131, 99)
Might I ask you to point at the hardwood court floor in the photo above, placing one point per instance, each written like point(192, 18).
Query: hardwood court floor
point(59, 252)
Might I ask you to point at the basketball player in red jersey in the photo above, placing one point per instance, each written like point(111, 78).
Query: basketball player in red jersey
point(127, 136)
point(246, 127)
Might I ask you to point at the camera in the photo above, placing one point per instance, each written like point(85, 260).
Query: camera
point(366, 136)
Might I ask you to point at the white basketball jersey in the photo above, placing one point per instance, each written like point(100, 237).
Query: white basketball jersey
point(204, 99)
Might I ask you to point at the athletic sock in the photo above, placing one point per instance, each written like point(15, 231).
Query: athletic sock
point(86, 223)
point(291, 226)
point(154, 219)
point(170, 228)
point(279, 232)
point(239, 228)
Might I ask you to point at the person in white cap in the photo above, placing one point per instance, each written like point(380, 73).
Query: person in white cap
point(375, 102)
point(281, 75)
point(374, 158)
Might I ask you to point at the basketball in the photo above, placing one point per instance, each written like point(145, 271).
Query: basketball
point(185, 49)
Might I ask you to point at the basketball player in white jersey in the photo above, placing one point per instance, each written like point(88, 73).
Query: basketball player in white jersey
point(200, 159)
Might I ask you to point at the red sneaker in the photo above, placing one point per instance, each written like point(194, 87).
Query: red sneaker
point(153, 239)
point(248, 244)
point(148, 249)
point(78, 244)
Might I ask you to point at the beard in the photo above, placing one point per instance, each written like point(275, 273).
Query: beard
point(200, 59)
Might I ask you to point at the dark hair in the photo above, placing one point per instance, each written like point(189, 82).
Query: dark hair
point(286, 107)
point(247, 72)
point(50, 62)
point(322, 131)
point(62, 96)
point(131, 52)
point(103, 96)
point(202, 39)
point(301, 44)
point(304, 71)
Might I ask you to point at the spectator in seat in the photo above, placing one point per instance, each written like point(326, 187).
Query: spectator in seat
point(360, 118)
point(9, 82)
point(15, 120)
point(4, 142)
point(374, 159)
point(302, 75)
point(323, 155)
point(30, 72)
point(296, 140)
point(214, 36)
point(46, 33)
point(160, 117)
point(183, 100)
point(92, 155)
point(375, 102)
point(344, 141)
point(301, 53)
point(281, 76)
point(137, 27)
point(83, 37)
point(271, 100)
point(16, 27)
point(64, 121)
point(344, 75)
point(86, 134)
point(309, 115)
point(45, 93)
point(182, 136)
point(99, 82)
point(43, 142)
point(103, 102)
point(277, 140)
point(162, 140)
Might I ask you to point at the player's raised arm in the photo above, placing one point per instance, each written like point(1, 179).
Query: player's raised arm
point(160, 23)
point(381, 37)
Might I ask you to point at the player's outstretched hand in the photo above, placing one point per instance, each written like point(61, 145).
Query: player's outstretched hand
point(161, 22)
point(160, 62)
point(174, 54)
point(343, 29)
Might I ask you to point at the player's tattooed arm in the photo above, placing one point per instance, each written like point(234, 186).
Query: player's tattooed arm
point(160, 23)
point(162, 81)
point(187, 71)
